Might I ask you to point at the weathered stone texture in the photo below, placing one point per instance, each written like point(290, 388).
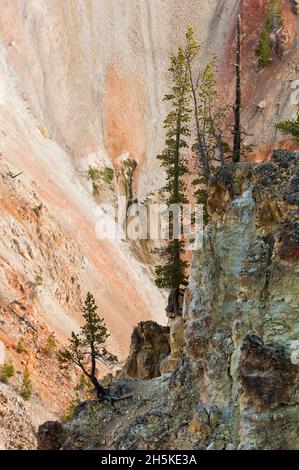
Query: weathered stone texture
point(242, 318)
point(149, 346)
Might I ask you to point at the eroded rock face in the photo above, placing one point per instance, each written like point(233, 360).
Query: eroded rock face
point(267, 376)
point(16, 429)
point(149, 346)
point(235, 382)
point(241, 318)
point(177, 343)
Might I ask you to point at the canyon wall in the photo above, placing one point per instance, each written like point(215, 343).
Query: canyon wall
point(81, 84)
point(241, 321)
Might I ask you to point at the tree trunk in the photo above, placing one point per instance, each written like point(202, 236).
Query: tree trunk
point(237, 106)
point(220, 148)
point(176, 195)
point(100, 390)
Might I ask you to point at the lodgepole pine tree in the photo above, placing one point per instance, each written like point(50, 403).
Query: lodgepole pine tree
point(173, 273)
point(89, 346)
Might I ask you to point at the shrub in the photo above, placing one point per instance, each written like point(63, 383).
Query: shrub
point(7, 371)
point(94, 174)
point(26, 385)
point(83, 384)
point(51, 345)
point(21, 346)
point(38, 280)
point(290, 128)
point(263, 50)
point(69, 414)
point(108, 175)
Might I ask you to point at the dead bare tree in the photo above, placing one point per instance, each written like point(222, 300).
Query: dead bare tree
point(238, 101)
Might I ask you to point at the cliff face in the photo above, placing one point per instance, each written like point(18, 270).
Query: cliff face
point(236, 383)
point(241, 317)
point(81, 84)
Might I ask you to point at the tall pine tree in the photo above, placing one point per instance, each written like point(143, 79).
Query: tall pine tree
point(173, 272)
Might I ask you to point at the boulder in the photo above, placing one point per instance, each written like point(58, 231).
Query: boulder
point(49, 435)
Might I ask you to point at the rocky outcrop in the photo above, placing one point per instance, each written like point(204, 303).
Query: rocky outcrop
point(241, 318)
point(177, 343)
point(235, 385)
point(49, 435)
point(149, 347)
point(17, 430)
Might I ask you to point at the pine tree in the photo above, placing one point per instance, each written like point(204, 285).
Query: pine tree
point(290, 127)
point(173, 272)
point(89, 346)
point(21, 346)
point(51, 345)
point(26, 385)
